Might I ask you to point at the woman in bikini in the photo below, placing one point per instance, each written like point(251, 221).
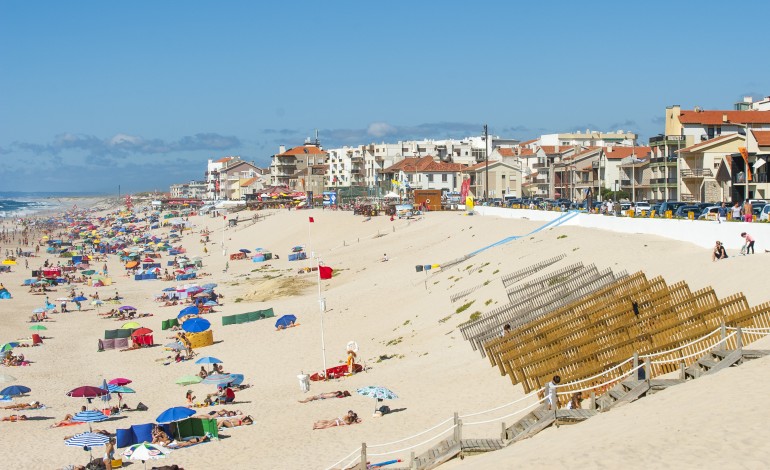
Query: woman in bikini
point(35, 405)
point(349, 419)
point(235, 422)
point(159, 436)
point(14, 418)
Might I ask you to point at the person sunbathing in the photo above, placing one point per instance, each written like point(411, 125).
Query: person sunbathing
point(14, 418)
point(189, 442)
point(222, 413)
point(35, 405)
point(348, 420)
point(324, 396)
point(235, 422)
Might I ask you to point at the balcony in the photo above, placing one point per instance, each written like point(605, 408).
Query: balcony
point(696, 173)
point(660, 140)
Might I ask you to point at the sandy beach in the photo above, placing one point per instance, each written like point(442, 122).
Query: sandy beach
point(406, 328)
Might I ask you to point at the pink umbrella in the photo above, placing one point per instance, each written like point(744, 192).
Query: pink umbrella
point(87, 392)
point(120, 381)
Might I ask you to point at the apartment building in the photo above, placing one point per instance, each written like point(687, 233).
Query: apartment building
point(286, 163)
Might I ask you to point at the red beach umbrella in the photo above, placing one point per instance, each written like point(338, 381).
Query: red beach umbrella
point(87, 391)
point(120, 381)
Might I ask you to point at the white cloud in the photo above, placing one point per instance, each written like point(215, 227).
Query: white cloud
point(380, 129)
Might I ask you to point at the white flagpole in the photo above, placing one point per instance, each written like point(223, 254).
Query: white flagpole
point(321, 302)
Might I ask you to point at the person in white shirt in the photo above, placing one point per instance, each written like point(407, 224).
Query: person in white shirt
point(550, 391)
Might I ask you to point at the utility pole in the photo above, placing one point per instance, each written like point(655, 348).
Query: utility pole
point(486, 163)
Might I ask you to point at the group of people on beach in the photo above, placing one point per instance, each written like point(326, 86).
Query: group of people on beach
point(720, 253)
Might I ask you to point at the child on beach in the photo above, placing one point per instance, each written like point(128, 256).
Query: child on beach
point(749, 245)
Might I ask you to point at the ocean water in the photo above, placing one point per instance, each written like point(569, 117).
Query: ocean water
point(23, 204)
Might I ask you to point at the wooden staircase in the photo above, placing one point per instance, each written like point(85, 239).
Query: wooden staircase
point(719, 359)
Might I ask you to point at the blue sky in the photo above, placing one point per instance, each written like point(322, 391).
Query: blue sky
point(94, 94)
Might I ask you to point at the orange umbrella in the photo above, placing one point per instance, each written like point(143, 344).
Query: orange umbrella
point(132, 264)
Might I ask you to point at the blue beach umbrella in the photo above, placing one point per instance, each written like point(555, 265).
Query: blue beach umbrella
point(38, 310)
point(177, 413)
point(208, 360)
point(196, 325)
point(8, 346)
point(191, 310)
point(90, 416)
point(210, 285)
point(15, 390)
point(120, 389)
point(107, 397)
point(79, 298)
point(169, 289)
point(217, 379)
point(285, 321)
point(87, 439)
point(237, 379)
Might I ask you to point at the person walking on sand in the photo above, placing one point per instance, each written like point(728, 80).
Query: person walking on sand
point(749, 245)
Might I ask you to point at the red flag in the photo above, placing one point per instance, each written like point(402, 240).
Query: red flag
point(325, 272)
point(224, 217)
point(311, 220)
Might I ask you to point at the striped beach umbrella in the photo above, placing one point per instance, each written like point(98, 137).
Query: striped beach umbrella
point(90, 416)
point(87, 439)
point(145, 451)
point(218, 379)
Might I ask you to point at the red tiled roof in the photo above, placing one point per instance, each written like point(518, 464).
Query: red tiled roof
point(474, 167)
point(506, 152)
point(713, 118)
point(522, 144)
point(248, 182)
point(424, 164)
point(526, 151)
point(763, 138)
point(549, 149)
point(304, 150)
point(582, 152)
point(618, 153)
point(706, 143)
point(224, 159)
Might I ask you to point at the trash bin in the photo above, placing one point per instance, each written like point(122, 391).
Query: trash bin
point(304, 382)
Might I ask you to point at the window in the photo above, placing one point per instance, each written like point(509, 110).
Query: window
point(430, 178)
point(444, 178)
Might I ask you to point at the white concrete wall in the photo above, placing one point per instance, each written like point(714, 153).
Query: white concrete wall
point(701, 233)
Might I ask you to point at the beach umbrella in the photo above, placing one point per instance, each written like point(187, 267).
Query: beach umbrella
point(14, 390)
point(210, 303)
point(120, 389)
point(191, 310)
point(378, 393)
point(217, 379)
point(188, 380)
point(87, 440)
point(141, 331)
point(38, 310)
point(145, 451)
point(4, 379)
point(208, 360)
point(196, 325)
point(169, 289)
point(38, 328)
point(88, 272)
point(62, 299)
point(90, 416)
point(244, 250)
point(127, 307)
point(87, 391)
point(209, 286)
point(172, 415)
point(79, 298)
point(8, 347)
point(97, 302)
point(119, 381)
point(107, 397)
point(285, 321)
point(175, 346)
point(9, 262)
point(237, 379)
point(130, 325)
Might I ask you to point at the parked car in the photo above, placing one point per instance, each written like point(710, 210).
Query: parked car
point(682, 211)
point(764, 216)
point(709, 213)
point(640, 207)
point(656, 208)
point(670, 206)
point(757, 207)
